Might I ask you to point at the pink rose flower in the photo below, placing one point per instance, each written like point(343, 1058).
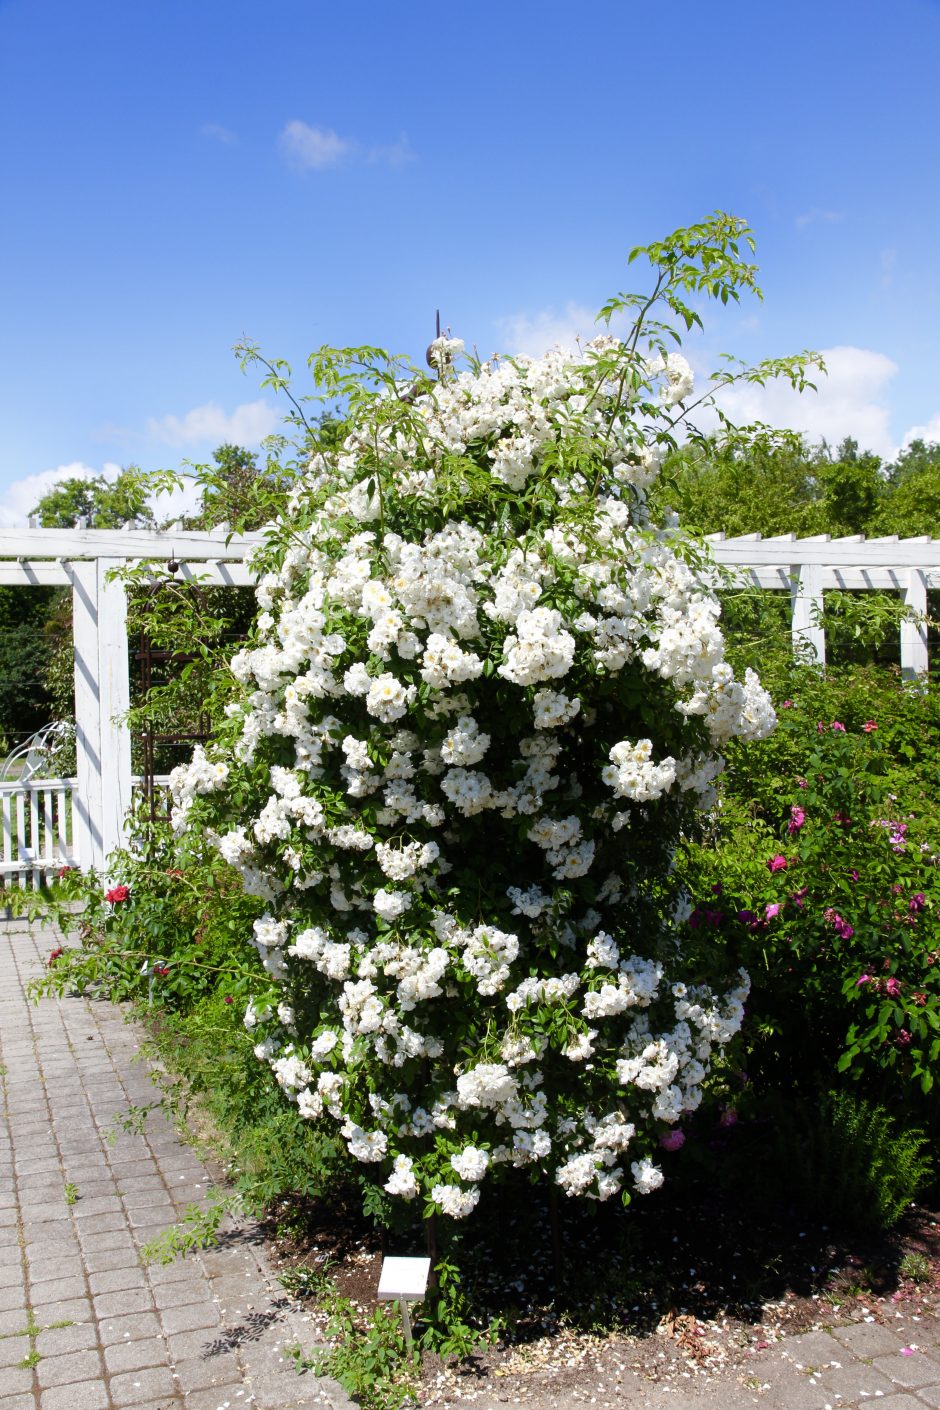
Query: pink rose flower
point(672, 1140)
point(777, 863)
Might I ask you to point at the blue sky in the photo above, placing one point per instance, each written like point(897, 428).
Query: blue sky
point(176, 174)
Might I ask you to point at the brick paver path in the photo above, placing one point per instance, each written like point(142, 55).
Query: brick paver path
point(84, 1325)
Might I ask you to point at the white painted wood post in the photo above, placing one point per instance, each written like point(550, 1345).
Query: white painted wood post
point(914, 633)
point(806, 601)
point(102, 698)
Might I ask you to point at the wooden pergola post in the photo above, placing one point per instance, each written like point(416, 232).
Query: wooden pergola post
point(102, 699)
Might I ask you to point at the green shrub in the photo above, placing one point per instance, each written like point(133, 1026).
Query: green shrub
point(821, 867)
point(847, 1159)
point(171, 926)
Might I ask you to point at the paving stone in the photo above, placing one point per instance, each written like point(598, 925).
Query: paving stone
point(133, 1355)
point(166, 1402)
point(180, 1271)
point(101, 1261)
point(99, 1240)
point(868, 1339)
point(797, 1393)
point(120, 1279)
point(70, 1366)
point(930, 1395)
point(82, 1336)
point(855, 1381)
point(83, 1259)
point(137, 1326)
point(43, 1270)
point(205, 1342)
point(11, 1321)
point(11, 1351)
point(97, 1188)
point(74, 1309)
point(17, 1402)
point(198, 1373)
point(108, 1223)
point(147, 1234)
point(133, 1387)
point(17, 1380)
point(11, 1274)
point(190, 1318)
point(90, 1396)
point(56, 1290)
point(103, 1204)
point(909, 1371)
point(812, 1349)
point(116, 1304)
point(900, 1402)
point(213, 1399)
point(150, 1214)
point(182, 1294)
point(12, 1296)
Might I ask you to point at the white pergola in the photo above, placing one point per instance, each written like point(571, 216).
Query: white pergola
point(84, 560)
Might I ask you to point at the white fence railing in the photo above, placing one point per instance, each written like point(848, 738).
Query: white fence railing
point(89, 560)
point(38, 833)
point(39, 839)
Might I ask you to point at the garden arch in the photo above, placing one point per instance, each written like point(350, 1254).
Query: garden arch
point(85, 560)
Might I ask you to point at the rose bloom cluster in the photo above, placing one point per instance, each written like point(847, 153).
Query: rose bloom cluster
point(485, 696)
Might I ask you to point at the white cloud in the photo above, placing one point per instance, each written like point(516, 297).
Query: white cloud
point(20, 498)
point(314, 148)
point(174, 504)
point(818, 217)
point(399, 153)
point(534, 334)
point(217, 132)
point(850, 401)
point(929, 432)
point(247, 425)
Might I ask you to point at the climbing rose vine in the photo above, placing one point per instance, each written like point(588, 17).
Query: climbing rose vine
point(486, 694)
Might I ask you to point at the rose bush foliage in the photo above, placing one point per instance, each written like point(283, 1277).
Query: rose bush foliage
point(825, 881)
point(485, 696)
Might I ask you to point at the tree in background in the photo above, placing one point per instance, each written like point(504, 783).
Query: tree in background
point(912, 503)
point(788, 488)
point(26, 703)
point(103, 503)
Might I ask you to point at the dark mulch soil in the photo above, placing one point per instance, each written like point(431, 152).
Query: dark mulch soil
point(692, 1281)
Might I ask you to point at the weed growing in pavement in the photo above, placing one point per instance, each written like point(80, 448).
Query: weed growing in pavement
point(368, 1357)
point(71, 1193)
point(915, 1267)
point(198, 1228)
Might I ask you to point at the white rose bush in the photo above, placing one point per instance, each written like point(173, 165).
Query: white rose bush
point(485, 696)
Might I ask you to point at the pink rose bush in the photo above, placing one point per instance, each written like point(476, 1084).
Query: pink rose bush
point(841, 933)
